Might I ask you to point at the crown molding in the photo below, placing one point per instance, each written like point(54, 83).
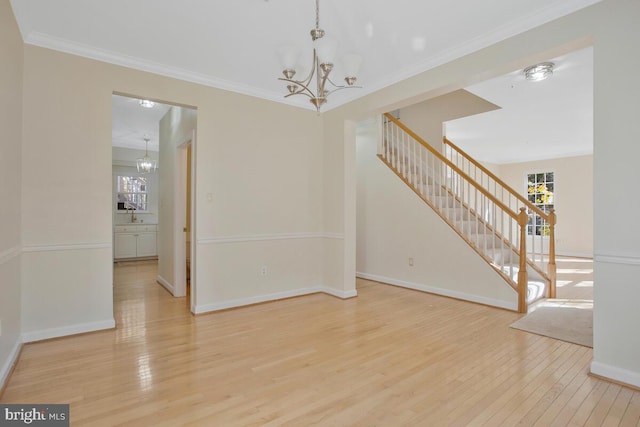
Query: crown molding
point(86, 51)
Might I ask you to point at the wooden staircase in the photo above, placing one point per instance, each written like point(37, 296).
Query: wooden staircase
point(502, 226)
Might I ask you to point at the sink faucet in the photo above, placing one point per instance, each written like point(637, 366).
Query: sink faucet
point(133, 214)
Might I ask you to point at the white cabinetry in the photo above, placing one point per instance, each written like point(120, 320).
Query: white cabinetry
point(134, 241)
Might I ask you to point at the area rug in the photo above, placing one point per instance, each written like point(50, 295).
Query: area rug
point(567, 322)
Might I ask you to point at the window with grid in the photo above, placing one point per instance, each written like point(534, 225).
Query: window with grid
point(133, 192)
point(540, 192)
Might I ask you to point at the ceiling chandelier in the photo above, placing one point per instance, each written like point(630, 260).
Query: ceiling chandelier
point(146, 164)
point(145, 103)
point(324, 50)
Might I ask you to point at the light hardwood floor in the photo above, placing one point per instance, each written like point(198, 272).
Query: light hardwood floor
point(390, 357)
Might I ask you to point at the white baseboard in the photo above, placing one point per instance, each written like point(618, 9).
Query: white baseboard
point(616, 374)
point(8, 365)
point(63, 331)
point(575, 254)
point(338, 293)
point(166, 284)
point(444, 292)
point(206, 308)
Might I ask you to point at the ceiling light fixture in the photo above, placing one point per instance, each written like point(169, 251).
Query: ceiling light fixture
point(324, 50)
point(146, 164)
point(146, 103)
point(539, 72)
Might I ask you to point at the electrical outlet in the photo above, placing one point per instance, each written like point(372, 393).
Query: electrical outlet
point(263, 270)
point(411, 261)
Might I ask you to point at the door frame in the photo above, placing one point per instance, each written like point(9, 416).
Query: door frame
point(180, 199)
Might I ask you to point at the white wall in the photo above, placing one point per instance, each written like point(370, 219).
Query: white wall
point(176, 128)
point(611, 26)
point(573, 198)
point(11, 54)
point(616, 174)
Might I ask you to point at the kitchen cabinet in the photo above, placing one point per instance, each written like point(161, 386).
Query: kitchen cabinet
point(135, 241)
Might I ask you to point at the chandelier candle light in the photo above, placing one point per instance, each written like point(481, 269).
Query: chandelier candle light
point(323, 53)
point(146, 164)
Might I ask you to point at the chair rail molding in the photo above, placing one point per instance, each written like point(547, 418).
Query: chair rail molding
point(9, 254)
point(618, 258)
point(267, 237)
point(66, 246)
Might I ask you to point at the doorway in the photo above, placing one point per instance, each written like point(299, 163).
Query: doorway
point(167, 133)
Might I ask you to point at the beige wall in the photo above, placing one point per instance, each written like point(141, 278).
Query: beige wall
point(611, 26)
point(260, 162)
point(11, 56)
point(573, 198)
point(67, 196)
point(258, 202)
point(427, 118)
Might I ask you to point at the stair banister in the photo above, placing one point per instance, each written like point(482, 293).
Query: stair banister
point(549, 218)
point(454, 167)
point(494, 205)
point(490, 174)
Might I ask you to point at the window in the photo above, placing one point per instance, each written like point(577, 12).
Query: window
point(540, 188)
point(132, 192)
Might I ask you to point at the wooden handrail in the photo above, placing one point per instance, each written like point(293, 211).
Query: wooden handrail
point(517, 195)
point(448, 162)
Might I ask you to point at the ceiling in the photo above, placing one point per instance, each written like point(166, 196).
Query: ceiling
point(232, 45)
point(131, 123)
point(548, 119)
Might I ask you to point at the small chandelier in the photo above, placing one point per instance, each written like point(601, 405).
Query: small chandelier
point(146, 164)
point(539, 72)
point(323, 53)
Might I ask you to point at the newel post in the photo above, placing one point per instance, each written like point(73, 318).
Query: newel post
point(551, 267)
point(522, 269)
